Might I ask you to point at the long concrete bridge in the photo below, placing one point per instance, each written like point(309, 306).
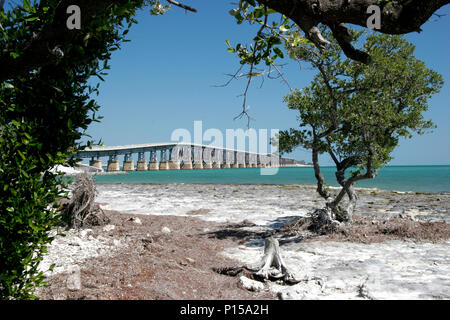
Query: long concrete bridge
point(177, 156)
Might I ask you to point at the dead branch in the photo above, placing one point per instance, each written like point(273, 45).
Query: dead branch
point(185, 7)
point(82, 211)
point(270, 267)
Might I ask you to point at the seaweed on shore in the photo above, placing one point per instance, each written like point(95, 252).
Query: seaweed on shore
point(372, 230)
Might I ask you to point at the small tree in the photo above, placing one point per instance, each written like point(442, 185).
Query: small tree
point(357, 113)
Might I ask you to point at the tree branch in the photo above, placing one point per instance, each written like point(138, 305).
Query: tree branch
point(397, 17)
point(175, 3)
point(40, 51)
point(317, 173)
point(347, 185)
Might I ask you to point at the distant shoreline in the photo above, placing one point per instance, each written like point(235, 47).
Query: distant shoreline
point(287, 186)
point(433, 179)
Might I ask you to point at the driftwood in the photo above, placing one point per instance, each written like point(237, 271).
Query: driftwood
point(82, 211)
point(270, 267)
point(320, 221)
point(324, 221)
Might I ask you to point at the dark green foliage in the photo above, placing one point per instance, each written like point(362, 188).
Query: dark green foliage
point(43, 114)
point(358, 113)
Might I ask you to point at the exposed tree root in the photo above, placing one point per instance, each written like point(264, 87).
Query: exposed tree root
point(323, 221)
point(82, 211)
point(270, 267)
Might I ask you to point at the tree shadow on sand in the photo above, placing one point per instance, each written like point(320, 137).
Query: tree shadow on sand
point(242, 233)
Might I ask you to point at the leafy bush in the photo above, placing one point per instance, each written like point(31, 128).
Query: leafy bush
point(43, 115)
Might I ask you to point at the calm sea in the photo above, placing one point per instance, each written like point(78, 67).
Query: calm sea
point(398, 178)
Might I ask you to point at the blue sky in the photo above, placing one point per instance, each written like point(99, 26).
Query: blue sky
point(163, 80)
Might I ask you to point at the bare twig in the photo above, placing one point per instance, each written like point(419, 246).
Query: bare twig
point(250, 75)
point(439, 16)
point(282, 77)
point(232, 77)
point(175, 3)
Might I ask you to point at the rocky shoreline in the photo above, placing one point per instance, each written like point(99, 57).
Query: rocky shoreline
point(263, 204)
point(167, 240)
point(139, 257)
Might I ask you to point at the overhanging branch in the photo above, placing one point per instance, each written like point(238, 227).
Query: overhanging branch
point(175, 3)
point(39, 50)
point(397, 17)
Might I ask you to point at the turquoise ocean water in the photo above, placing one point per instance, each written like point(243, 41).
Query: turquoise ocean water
point(398, 178)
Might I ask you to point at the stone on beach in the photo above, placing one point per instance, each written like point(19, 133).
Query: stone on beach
point(73, 280)
point(250, 284)
point(165, 230)
point(109, 227)
point(191, 261)
point(135, 220)
point(84, 233)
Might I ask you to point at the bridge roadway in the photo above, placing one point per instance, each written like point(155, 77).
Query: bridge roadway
point(177, 156)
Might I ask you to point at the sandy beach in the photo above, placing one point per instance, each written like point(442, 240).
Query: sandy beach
point(164, 241)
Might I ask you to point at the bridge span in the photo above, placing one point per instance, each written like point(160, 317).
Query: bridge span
point(178, 156)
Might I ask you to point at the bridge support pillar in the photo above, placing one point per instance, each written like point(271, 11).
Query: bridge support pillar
point(164, 165)
point(239, 159)
point(197, 165)
point(187, 165)
point(113, 165)
point(96, 164)
point(246, 161)
point(174, 165)
point(207, 157)
point(226, 165)
point(153, 166)
point(175, 156)
point(207, 165)
point(141, 165)
point(128, 165)
point(258, 161)
point(217, 158)
point(198, 158)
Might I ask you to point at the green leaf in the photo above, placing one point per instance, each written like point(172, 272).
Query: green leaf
point(278, 52)
point(32, 19)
